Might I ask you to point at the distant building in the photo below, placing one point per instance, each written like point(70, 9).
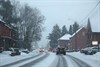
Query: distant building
point(8, 36)
point(80, 39)
point(83, 38)
point(64, 41)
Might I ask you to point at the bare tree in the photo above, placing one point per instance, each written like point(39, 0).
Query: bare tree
point(31, 22)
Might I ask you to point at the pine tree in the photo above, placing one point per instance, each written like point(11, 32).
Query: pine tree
point(6, 11)
point(64, 30)
point(54, 36)
point(75, 27)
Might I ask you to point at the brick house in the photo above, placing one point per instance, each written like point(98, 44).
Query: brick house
point(64, 41)
point(79, 39)
point(83, 38)
point(95, 36)
point(8, 36)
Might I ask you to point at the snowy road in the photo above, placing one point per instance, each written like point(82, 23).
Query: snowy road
point(49, 59)
point(70, 61)
point(36, 60)
point(78, 62)
point(61, 61)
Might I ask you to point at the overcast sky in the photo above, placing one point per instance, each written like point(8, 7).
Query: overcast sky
point(66, 12)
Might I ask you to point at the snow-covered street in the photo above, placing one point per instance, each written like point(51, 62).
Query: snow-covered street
point(50, 59)
point(49, 33)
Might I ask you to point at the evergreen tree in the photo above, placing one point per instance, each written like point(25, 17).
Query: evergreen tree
point(64, 30)
point(71, 30)
point(6, 11)
point(75, 27)
point(54, 36)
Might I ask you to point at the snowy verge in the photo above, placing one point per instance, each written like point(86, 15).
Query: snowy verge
point(28, 61)
point(5, 58)
point(92, 60)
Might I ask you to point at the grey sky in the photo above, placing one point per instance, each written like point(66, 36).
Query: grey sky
point(65, 12)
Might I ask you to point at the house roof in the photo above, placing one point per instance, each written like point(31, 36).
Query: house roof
point(85, 27)
point(2, 21)
point(65, 37)
point(95, 24)
point(10, 27)
point(77, 31)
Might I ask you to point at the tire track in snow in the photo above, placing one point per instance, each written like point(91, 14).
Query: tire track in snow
point(35, 61)
point(61, 61)
point(78, 62)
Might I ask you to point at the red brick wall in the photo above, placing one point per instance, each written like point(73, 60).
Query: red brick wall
point(4, 30)
point(79, 40)
point(96, 36)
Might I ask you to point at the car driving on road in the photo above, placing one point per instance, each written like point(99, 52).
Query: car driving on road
point(60, 51)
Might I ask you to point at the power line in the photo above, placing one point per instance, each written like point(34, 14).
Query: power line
point(89, 13)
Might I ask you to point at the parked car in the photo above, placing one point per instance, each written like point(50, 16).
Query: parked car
point(15, 51)
point(69, 50)
point(60, 50)
point(26, 51)
point(41, 50)
point(97, 49)
point(1, 49)
point(88, 51)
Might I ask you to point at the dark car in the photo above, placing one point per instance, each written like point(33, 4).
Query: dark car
point(15, 51)
point(60, 51)
point(89, 51)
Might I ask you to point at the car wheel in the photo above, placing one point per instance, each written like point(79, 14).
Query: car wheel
point(64, 53)
point(57, 53)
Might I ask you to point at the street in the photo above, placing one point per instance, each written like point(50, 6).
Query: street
point(49, 59)
point(49, 33)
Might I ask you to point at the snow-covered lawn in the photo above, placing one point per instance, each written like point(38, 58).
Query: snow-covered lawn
point(5, 58)
point(93, 60)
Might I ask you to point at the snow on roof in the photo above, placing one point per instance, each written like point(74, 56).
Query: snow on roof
point(6, 24)
point(2, 21)
point(65, 37)
point(77, 31)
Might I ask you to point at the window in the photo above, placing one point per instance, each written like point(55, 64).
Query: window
point(83, 33)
